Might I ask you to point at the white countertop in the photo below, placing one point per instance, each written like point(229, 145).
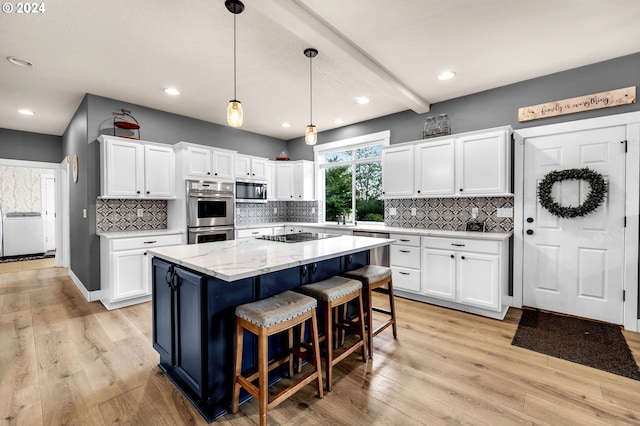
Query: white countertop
point(237, 259)
point(133, 234)
point(499, 236)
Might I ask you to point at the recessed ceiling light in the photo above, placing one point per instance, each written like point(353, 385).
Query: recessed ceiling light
point(20, 62)
point(25, 111)
point(285, 125)
point(362, 100)
point(172, 91)
point(446, 75)
point(338, 121)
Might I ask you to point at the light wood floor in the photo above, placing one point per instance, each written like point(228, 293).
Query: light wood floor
point(66, 361)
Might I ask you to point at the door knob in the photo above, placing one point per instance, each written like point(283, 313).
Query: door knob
point(529, 220)
point(529, 231)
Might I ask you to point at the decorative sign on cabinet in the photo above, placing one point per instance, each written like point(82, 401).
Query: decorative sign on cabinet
point(136, 169)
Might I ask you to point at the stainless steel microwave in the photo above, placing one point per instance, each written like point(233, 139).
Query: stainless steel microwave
point(251, 191)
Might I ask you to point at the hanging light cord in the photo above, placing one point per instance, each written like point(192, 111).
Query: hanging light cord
point(310, 91)
point(234, 58)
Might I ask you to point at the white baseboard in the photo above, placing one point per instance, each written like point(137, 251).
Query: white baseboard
point(90, 296)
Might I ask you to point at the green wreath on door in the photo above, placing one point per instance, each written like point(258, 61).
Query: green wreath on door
point(594, 199)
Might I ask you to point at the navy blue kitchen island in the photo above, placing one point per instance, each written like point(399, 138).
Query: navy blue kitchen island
point(195, 296)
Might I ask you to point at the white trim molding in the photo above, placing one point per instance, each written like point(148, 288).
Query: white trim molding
point(632, 208)
point(90, 296)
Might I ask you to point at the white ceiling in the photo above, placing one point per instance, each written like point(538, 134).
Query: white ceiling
point(389, 50)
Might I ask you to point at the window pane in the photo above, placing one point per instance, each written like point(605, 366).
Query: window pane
point(369, 203)
point(369, 151)
point(338, 193)
point(334, 157)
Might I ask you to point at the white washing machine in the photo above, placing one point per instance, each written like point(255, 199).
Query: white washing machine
point(23, 233)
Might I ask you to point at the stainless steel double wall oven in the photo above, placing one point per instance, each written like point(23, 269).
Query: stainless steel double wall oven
point(210, 211)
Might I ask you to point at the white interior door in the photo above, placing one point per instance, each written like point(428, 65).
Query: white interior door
point(49, 211)
point(575, 266)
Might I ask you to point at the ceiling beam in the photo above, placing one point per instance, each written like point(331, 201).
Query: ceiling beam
point(300, 20)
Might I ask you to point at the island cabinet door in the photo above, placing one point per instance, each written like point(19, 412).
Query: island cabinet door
point(190, 347)
point(162, 311)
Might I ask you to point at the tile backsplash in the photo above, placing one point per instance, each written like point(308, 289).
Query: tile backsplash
point(448, 213)
point(114, 215)
point(276, 211)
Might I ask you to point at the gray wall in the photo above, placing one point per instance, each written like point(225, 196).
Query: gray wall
point(17, 145)
point(499, 107)
point(74, 142)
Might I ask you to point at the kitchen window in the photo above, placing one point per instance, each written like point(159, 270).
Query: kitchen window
point(349, 178)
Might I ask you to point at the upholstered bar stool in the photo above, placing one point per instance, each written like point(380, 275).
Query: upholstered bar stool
point(264, 318)
point(372, 277)
point(332, 294)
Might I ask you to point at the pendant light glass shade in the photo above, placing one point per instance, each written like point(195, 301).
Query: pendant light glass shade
point(311, 135)
point(234, 109)
point(234, 113)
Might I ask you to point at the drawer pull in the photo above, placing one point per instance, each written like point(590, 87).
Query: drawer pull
point(405, 251)
point(150, 242)
point(457, 245)
point(404, 241)
point(255, 233)
point(404, 273)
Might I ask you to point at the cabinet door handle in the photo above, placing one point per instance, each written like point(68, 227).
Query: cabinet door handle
point(418, 191)
point(148, 192)
point(404, 251)
point(169, 277)
point(208, 173)
point(462, 257)
point(404, 273)
point(457, 245)
point(150, 242)
point(452, 256)
point(404, 241)
point(145, 253)
point(461, 190)
point(137, 192)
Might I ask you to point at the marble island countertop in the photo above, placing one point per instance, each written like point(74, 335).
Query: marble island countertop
point(237, 259)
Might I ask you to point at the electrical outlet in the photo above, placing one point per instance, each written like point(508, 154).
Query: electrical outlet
point(393, 211)
point(140, 212)
point(413, 211)
point(275, 210)
point(504, 212)
point(84, 213)
point(313, 210)
point(474, 212)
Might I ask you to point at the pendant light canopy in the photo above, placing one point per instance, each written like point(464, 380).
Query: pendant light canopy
point(311, 134)
point(234, 110)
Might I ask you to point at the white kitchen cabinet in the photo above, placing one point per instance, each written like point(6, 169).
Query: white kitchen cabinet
point(474, 163)
point(248, 167)
point(404, 258)
point(270, 172)
point(200, 162)
point(125, 266)
point(482, 162)
point(435, 168)
point(397, 171)
point(253, 232)
point(466, 271)
point(294, 180)
point(136, 169)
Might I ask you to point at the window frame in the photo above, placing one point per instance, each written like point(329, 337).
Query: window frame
point(373, 139)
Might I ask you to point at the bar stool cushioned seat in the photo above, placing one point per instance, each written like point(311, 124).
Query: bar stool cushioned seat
point(276, 314)
point(333, 293)
point(372, 277)
point(275, 309)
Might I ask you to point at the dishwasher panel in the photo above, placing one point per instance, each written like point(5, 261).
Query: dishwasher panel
point(379, 255)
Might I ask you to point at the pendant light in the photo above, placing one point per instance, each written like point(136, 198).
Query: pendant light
point(311, 134)
point(234, 110)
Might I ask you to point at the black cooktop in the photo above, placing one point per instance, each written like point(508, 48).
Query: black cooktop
point(297, 238)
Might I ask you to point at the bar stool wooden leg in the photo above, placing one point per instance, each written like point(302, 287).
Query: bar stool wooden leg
point(328, 339)
point(316, 353)
point(238, 366)
point(362, 328)
point(392, 308)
